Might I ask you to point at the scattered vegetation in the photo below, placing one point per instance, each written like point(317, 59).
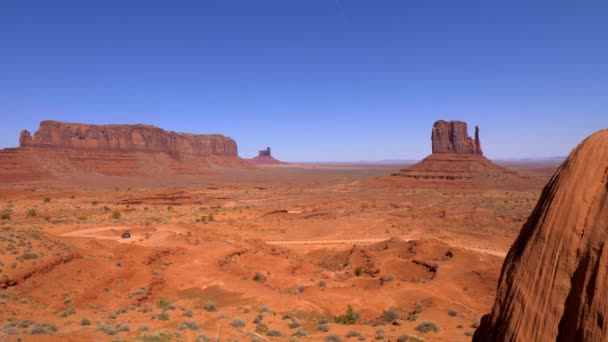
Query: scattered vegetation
point(274, 332)
point(210, 306)
point(238, 323)
point(323, 327)
point(349, 317)
point(426, 327)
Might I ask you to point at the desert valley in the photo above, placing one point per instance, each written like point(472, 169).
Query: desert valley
point(129, 232)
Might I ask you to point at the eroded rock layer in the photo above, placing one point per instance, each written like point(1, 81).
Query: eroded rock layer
point(554, 281)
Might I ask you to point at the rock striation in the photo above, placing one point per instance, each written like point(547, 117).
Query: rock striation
point(71, 151)
point(126, 138)
point(554, 281)
point(457, 160)
point(453, 137)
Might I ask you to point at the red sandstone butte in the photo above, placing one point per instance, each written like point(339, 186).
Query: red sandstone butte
point(457, 160)
point(554, 281)
point(265, 157)
point(453, 137)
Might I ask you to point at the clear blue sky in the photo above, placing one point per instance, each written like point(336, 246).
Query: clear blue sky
point(330, 80)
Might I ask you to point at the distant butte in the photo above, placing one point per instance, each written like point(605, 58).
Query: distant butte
point(265, 157)
point(457, 159)
point(60, 149)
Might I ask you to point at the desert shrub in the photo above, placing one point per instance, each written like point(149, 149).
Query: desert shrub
point(274, 332)
point(265, 308)
point(352, 333)
point(203, 338)
point(163, 316)
point(85, 321)
point(210, 306)
point(259, 277)
point(32, 213)
point(94, 203)
point(390, 315)
point(106, 209)
point(426, 327)
point(25, 323)
point(468, 333)
point(322, 283)
point(294, 324)
point(27, 256)
point(163, 303)
point(143, 328)
point(402, 338)
point(187, 313)
point(261, 328)
point(358, 270)
point(452, 313)
point(301, 332)
point(323, 321)
point(5, 215)
point(38, 330)
point(70, 311)
point(106, 328)
point(379, 335)
point(388, 278)
point(412, 317)
point(350, 317)
point(189, 325)
point(258, 318)
point(323, 327)
point(238, 323)
point(156, 337)
point(300, 288)
point(112, 315)
point(115, 214)
point(121, 327)
point(475, 324)
point(333, 338)
point(47, 199)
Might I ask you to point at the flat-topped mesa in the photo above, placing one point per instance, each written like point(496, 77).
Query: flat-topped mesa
point(453, 137)
point(126, 138)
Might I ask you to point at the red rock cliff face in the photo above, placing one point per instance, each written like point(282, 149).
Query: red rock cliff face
point(554, 281)
point(126, 138)
point(452, 137)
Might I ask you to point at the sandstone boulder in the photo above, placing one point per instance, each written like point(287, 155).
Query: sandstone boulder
point(554, 281)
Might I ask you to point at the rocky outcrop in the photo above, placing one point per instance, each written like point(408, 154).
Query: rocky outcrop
point(453, 137)
point(457, 160)
point(265, 157)
point(126, 138)
point(265, 153)
point(554, 281)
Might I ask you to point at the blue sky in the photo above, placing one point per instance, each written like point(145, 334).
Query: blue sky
point(316, 80)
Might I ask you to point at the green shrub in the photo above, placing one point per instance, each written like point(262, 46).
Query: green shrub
point(116, 214)
point(85, 321)
point(358, 271)
point(350, 317)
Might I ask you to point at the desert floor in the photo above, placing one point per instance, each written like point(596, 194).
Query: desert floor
point(244, 254)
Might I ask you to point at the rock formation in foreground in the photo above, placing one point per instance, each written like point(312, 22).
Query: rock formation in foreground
point(457, 160)
point(69, 150)
point(265, 157)
point(554, 281)
point(453, 137)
